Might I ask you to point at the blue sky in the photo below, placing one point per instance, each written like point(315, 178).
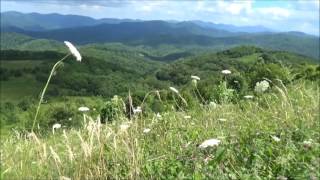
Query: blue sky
point(283, 15)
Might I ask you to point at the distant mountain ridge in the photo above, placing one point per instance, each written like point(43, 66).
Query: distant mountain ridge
point(40, 22)
point(85, 30)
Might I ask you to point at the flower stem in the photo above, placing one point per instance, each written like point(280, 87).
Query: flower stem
point(45, 89)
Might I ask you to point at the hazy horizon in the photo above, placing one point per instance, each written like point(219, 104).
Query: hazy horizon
point(300, 16)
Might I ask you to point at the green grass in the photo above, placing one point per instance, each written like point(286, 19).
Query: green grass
point(19, 64)
point(250, 58)
point(170, 150)
point(15, 89)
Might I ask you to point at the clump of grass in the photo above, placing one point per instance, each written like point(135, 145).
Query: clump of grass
point(166, 146)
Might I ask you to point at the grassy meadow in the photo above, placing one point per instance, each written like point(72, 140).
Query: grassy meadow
point(242, 113)
point(272, 136)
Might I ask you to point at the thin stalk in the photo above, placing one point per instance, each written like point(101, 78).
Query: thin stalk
point(45, 89)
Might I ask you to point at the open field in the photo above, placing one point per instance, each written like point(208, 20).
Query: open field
point(18, 88)
point(19, 64)
point(275, 135)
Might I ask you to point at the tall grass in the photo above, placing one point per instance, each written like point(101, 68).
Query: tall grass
point(170, 150)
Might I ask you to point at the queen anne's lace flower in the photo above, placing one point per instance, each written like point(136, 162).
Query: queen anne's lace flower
point(248, 97)
point(137, 110)
point(195, 78)
point(275, 138)
point(73, 50)
point(261, 86)
point(83, 109)
point(56, 126)
point(226, 71)
point(147, 130)
point(209, 143)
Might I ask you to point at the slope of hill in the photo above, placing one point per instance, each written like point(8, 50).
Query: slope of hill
point(11, 40)
point(155, 33)
point(109, 70)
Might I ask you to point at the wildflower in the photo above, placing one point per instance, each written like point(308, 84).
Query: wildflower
point(174, 90)
point(209, 143)
point(197, 78)
point(275, 138)
point(137, 110)
point(213, 104)
point(147, 130)
point(70, 119)
point(73, 50)
point(187, 117)
point(158, 115)
point(222, 119)
point(307, 143)
point(124, 127)
point(56, 126)
point(226, 71)
point(248, 97)
point(261, 86)
point(83, 109)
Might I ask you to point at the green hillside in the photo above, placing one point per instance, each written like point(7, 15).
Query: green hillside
point(109, 70)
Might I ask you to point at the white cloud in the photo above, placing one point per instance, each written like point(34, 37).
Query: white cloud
point(274, 12)
point(148, 6)
point(235, 7)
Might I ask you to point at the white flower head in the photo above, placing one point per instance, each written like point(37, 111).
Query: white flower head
point(137, 110)
point(56, 126)
point(261, 86)
point(158, 115)
point(174, 90)
point(248, 97)
point(308, 143)
point(213, 104)
point(275, 138)
point(187, 117)
point(83, 109)
point(73, 50)
point(147, 130)
point(226, 71)
point(197, 78)
point(222, 119)
point(209, 143)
